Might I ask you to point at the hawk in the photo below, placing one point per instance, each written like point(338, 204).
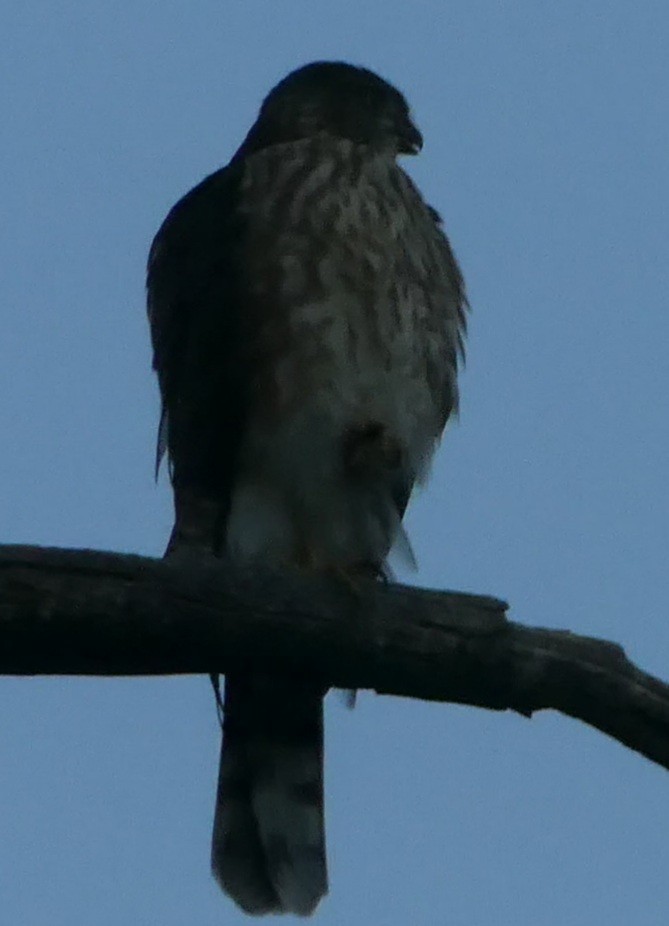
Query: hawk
point(307, 317)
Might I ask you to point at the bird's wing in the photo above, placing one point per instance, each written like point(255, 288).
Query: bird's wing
point(195, 315)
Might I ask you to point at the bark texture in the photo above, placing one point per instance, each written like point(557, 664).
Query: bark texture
point(82, 612)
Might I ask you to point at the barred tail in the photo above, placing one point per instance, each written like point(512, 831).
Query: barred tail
point(268, 850)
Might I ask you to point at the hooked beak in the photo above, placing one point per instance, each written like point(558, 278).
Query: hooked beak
point(410, 141)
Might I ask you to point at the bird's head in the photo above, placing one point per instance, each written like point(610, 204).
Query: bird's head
point(337, 99)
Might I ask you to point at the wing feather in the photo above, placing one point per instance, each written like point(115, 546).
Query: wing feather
point(195, 317)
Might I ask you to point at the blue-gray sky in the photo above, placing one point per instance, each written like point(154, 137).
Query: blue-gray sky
point(546, 151)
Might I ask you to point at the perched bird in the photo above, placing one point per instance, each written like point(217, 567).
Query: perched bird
point(307, 316)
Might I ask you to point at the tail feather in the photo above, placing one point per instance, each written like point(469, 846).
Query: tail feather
point(237, 855)
point(268, 850)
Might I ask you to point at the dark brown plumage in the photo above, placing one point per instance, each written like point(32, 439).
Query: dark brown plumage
point(307, 315)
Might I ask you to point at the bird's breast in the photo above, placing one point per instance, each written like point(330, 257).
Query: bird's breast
point(349, 306)
point(348, 331)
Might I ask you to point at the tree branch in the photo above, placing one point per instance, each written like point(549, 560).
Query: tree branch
point(80, 612)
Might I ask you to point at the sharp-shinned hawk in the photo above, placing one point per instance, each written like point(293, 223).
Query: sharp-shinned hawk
point(307, 316)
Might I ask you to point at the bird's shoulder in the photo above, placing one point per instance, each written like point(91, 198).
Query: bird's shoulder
point(204, 215)
point(192, 261)
point(191, 289)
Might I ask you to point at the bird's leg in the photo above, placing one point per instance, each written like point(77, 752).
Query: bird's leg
point(197, 527)
point(352, 576)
